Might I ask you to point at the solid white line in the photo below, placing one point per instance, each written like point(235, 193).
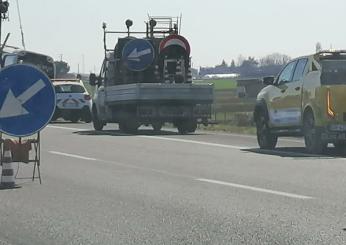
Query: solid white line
point(195, 142)
point(72, 155)
point(251, 188)
point(66, 128)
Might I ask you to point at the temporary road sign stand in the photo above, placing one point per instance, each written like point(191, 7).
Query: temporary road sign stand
point(35, 159)
point(27, 104)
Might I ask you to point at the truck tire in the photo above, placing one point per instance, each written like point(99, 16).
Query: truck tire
point(186, 126)
point(266, 140)
point(312, 136)
point(157, 126)
point(98, 125)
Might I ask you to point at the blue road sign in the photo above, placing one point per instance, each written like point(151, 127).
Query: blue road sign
point(27, 100)
point(138, 54)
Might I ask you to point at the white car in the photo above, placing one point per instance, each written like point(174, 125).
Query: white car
point(73, 102)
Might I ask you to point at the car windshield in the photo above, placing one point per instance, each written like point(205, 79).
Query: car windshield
point(69, 88)
point(333, 72)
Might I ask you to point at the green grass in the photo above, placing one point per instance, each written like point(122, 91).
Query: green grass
point(221, 84)
point(229, 129)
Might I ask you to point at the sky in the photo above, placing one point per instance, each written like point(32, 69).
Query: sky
point(216, 30)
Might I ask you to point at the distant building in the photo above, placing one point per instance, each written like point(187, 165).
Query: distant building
point(231, 75)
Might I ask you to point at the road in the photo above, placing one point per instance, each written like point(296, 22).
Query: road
point(206, 188)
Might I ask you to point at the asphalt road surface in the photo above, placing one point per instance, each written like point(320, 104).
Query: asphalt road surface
point(206, 188)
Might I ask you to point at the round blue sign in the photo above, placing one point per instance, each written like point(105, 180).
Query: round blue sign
point(27, 100)
point(138, 54)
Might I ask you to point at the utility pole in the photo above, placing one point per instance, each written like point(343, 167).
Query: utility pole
point(3, 15)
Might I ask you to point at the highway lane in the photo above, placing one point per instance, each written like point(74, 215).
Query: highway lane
point(208, 188)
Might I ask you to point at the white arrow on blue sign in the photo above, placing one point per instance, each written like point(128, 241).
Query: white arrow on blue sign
point(138, 54)
point(27, 100)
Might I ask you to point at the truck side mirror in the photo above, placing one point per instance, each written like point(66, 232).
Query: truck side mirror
point(92, 79)
point(268, 80)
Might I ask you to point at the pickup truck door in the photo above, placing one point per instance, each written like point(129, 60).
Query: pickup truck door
point(282, 102)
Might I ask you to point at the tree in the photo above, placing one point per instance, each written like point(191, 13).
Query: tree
point(224, 64)
point(232, 64)
point(275, 59)
point(249, 63)
point(62, 68)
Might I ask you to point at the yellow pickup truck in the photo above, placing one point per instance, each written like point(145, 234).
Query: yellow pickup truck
point(307, 98)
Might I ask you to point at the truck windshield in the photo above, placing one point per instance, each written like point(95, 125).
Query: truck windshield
point(333, 72)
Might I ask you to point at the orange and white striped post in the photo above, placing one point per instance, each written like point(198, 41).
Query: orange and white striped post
point(7, 175)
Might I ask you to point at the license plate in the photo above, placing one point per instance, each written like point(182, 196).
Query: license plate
point(70, 105)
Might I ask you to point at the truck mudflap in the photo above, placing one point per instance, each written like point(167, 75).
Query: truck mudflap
point(174, 111)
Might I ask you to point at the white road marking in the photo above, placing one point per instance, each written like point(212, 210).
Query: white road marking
point(158, 171)
point(66, 128)
point(252, 188)
point(72, 155)
point(194, 142)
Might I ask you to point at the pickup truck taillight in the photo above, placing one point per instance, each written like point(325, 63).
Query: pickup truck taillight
point(330, 110)
point(87, 97)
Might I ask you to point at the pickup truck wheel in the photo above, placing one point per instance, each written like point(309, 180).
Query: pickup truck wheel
point(266, 140)
point(312, 136)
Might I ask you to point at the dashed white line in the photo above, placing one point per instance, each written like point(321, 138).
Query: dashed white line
point(252, 188)
point(194, 142)
point(72, 155)
point(257, 189)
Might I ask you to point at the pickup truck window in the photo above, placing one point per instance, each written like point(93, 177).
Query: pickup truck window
point(287, 73)
point(298, 73)
point(333, 72)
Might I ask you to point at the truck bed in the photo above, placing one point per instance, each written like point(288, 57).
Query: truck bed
point(146, 92)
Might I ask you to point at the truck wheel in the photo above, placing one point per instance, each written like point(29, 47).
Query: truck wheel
point(188, 126)
point(266, 140)
point(182, 129)
point(98, 125)
point(192, 126)
point(312, 136)
point(157, 126)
